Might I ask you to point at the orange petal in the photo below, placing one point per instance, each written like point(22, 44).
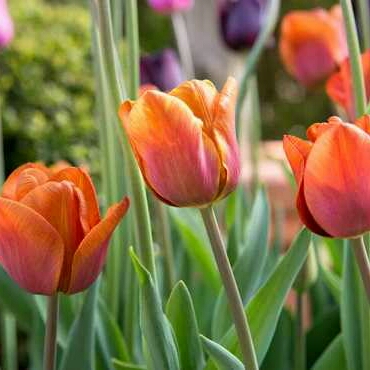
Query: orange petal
point(317, 129)
point(336, 181)
point(179, 162)
point(10, 185)
point(59, 204)
point(89, 258)
point(82, 180)
point(31, 250)
point(223, 126)
point(364, 123)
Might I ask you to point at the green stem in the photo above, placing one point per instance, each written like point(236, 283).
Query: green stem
point(231, 289)
point(300, 341)
point(117, 17)
point(9, 341)
point(142, 226)
point(363, 264)
point(364, 15)
point(355, 57)
point(183, 45)
point(50, 344)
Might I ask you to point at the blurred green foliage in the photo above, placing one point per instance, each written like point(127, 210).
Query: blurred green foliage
point(46, 85)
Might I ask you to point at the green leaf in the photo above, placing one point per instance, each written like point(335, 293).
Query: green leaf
point(79, 351)
point(180, 312)
point(264, 309)
point(249, 266)
point(119, 365)
point(156, 331)
point(196, 244)
point(221, 356)
point(333, 283)
point(16, 301)
point(334, 356)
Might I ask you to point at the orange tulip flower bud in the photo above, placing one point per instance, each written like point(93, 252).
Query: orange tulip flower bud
point(52, 237)
point(185, 142)
point(331, 170)
point(339, 85)
point(312, 44)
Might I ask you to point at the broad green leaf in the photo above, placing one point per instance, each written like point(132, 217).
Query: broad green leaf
point(119, 365)
point(159, 342)
point(79, 351)
point(264, 309)
point(196, 243)
point(333, 358)
point(221, 356)
point(180, 312)
point(16, 301)
point(249, 266)
point(110, 340)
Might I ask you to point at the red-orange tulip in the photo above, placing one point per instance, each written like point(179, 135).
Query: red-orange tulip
point(332, 173)
point(185, 142)
point(339, 85)
point(312, 44)
point(51, 235)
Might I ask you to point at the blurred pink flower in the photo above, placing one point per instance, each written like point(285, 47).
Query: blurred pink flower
point(169, 6)
point(6, 25)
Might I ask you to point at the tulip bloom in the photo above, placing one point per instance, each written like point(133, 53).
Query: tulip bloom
point(6, 25)
point(312, 44)
point(241, 21)
point(339, 85)
point(332, 173)
point(52, 237)
point(161, 69)
point(170, 6)
point(185, 142)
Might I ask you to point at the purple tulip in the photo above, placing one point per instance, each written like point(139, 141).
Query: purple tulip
point(241, 21)
point(170, 6)
point(6, 25)
point(161, 69)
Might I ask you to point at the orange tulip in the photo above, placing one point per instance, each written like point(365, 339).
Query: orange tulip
point(185, 142)
point(332, 173)
point(51, 235)
point(312, 44)
point(339, 85)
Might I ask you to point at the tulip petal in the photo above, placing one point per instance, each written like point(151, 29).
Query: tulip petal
point(31, 250)
point(178, 161)
point(59, 204)
point(336, 181)
point(83, 181)
point(10, 185)
point(364, 123)
point(317, 129)
point(89, 258)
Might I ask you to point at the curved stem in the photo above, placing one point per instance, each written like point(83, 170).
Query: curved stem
point(362, 260)
point(183, 46)
point(50, 343)
point(231, 289)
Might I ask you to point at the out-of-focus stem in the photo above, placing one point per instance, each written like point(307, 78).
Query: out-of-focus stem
point(364, 16)
point(363, 264)
point(9, 341)
point(183, 45)
point(300, 340)
point(50, 345)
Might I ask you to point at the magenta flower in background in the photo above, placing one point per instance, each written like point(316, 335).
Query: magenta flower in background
point(241, 21)
point(6, 25)
point(170, 6)
point(161, 69)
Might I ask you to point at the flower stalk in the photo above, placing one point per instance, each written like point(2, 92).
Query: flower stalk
point(362, 260)
point(50, 343)
point(231, 289)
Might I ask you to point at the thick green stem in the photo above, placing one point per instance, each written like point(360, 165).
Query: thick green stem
point(355, 57)
point(9, 341)
point(299, 336)
point(363, 264)
point(50, 344)
point(183, 45)
point(113, 73)
point(364, 16)
point(231, 289)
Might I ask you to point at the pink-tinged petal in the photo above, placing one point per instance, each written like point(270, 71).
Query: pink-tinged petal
point(364, 123)
point(317, 129)
point(179, 162)
point(336, 181)
point(224, 135)
point(169, 6)
point(31, 250)
point(9, 189)
point(89, 258)
point(82, 180)
point(59, 204)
